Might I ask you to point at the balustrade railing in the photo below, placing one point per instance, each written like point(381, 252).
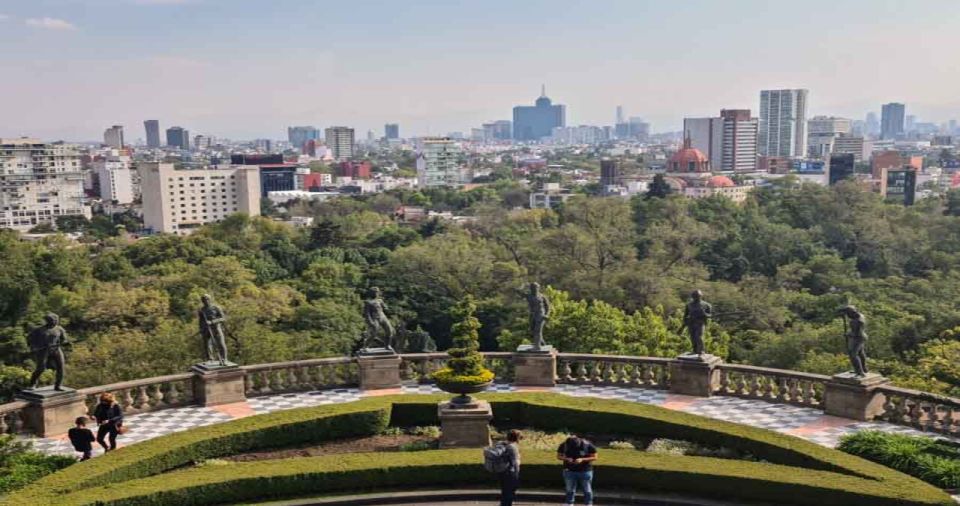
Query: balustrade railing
point(773, 385)
point(143, 395)
point(300, 376)
point(614, 370)
point(921, 410)
point(417, 367)
point(11, 417)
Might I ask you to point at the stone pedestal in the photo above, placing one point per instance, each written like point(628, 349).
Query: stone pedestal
point(215, 384)
point(465, 425)
point(535, 368)
point(51, 412)
point(379, 369)
point(695, 374)
point(849, 396)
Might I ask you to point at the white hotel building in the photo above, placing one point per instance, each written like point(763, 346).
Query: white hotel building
point(38, 182)
point(178, 201)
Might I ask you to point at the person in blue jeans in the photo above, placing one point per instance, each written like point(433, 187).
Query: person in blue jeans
point(510, 478)
point(578, 456)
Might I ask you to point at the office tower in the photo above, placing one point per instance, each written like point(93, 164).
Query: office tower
point(849, 144)
point(201, 142)
point(822, 132)
point(609, 173)
point(841, 168)
point(729, 142)
point(500, 130)
point(783, 123)
point(178, 137)
point(179, 201)
point(910, 124)
point(298, 135)
point(152, 127)
point(899, 185)
point(892, 117)
point(438, 162)
point(391, 131)
point(38, 183)
point(872, 125)
point(638, 129)
point(116, 178)
point(536, 122)
point(113, 137)
point(340, 142)
point(264, 145)
point(619, 115)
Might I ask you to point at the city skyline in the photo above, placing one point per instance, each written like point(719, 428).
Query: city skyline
point(83, 66)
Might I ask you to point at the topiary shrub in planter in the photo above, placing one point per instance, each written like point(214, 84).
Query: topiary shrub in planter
point(464, 373)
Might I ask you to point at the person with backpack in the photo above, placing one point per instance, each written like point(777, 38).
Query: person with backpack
point(578, 456)
point(504, 460)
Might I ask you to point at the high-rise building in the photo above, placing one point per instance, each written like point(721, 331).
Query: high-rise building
point(638, 129)
point(38, 183)
point(822, 133)
point(340, 142)
point(179, 201)
point(892, 118)
point(201, 142)
point(438, 162)
point(178, 137)
point(113, 137)
point(841, 168)
point(619, 115)
point(116, 178)
point(783, 123)
point(609, 173)
point(500, 130)
point(850, 144)
point(871, 125)
point(152, 127)
point(729, 142)
point(536, 122)
point(298, 135)
point(391, 131)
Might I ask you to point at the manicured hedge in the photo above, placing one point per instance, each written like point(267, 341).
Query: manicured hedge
point(829, 476)
point(618, 469)
point(933, 461)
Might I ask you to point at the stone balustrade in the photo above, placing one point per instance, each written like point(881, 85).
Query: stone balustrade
point(12, 417)
point(642, 372)
point(773, 385)
point(300, 376)
point(143, 395)
point(921, 410)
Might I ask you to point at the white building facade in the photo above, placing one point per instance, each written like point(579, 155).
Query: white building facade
point(113, 137)
point(822, 134)
point(340, 141)
point(783, 123)
point(116, 179)
point(38, 182)
point(438, 162)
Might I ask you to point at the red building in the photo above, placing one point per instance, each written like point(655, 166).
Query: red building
point(688, 159)
point(355, 170)
point(309, 148)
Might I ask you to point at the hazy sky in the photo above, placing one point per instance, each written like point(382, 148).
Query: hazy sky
point(245, 69)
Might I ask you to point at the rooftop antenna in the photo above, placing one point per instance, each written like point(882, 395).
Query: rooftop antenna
point(543, 90)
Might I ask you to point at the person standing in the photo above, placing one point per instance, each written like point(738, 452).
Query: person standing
point(510, 478)
point(109, 417)
point(578, 456)
point(81, 438)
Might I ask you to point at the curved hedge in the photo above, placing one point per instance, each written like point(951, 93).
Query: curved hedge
point(821, 475)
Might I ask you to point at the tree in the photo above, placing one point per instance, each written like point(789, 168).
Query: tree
point(659, 188)
point(72, 223)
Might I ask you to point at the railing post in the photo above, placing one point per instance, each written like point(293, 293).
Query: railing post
point(216, 384)
point(535, 367)
point(379, 371)
point(849, 396)
point(696, 375)
point(51, 412)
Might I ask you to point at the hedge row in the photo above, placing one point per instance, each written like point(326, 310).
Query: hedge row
point(618, 470)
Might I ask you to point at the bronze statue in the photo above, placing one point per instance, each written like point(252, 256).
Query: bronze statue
point(211, 318)
point(695, 317)
point(46, 343)
point(539, 314)
point(379, 333)
point(855, 331)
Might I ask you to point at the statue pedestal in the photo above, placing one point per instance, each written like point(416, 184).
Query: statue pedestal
point(535, 367)
point(51, 412)
point(695, 374)
point(849, 396)
point(465, 425)
point(215, 384)
point(379, 369)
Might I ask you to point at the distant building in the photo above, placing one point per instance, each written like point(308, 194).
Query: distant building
point(38, 183)
point(775, 164)
point(500, 130)
point(316, 181)
point(340, 141)
point(688, 159)
point(536, 122)
point(638, 129)
point(730, 141)
point(354, 170)
point(899, 185)
point(822, 133)
point(201, 142)
point(850, 145)
point(438, 162)
point(783, 123)
point(942, 140)
point(551, 196)
point(893, 160)
point(609, 173)
point(178, 137)
point(152, 128)
point(299, 135)
point(892, 119)
point(113, 137)
point(703, 187)
point(116, 179)
point(309, 148)
point(391, 131)
point(841, 167)
point(179, 201)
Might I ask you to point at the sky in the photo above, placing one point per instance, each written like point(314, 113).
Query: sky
point(245, 69)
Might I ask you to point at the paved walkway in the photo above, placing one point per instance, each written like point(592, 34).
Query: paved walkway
point(807, 423)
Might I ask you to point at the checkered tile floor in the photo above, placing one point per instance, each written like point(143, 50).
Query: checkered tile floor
point(271, 403)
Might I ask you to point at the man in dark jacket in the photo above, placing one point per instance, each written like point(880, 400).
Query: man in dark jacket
point(577, 455)
point(82, 438)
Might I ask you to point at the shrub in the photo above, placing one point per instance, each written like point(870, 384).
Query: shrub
point(429, 431)
point(935, 462)
point(20, 466)
point(465, 366)
point(622, 445)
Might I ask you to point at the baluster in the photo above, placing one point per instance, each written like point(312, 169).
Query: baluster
point(889, 408)
point(156, 396)
point(3, 422)
point(581, 372)
point(566, 372)
point(314, 377)
point(127, 400)
point(649, 375)
point(741, 384)
point(609, 376)
point(916, 413)
point(173, 396)
point(781, 389)
point(808, 392)
point(768, 387)
point(946, 427)
point(16, 422)
point(724, 381)
point(754, 386)
point(637, 378)
point(276, 381)
point(264, 377)
point(597, 372)
point(142, 402)
point(293, 378)
point(795, 395)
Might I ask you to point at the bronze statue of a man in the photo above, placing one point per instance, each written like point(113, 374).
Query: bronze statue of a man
point(211, 318)
point(855, 329)
point(695, 317)
point(539, 314)
point(46, 342)
point(379, 333)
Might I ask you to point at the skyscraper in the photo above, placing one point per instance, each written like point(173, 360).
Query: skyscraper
point(871, 125)
point(609, 173)
point(298, 135)
point(783, 123)
point(823, 132)
point(391, 131)
point(892, 118)
point(113, 137)
point(178, 137)
point(340, 142)
point(619, 115)
point(500, 130)
point(152, 127)
point(730, 141)
point(537, 122)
